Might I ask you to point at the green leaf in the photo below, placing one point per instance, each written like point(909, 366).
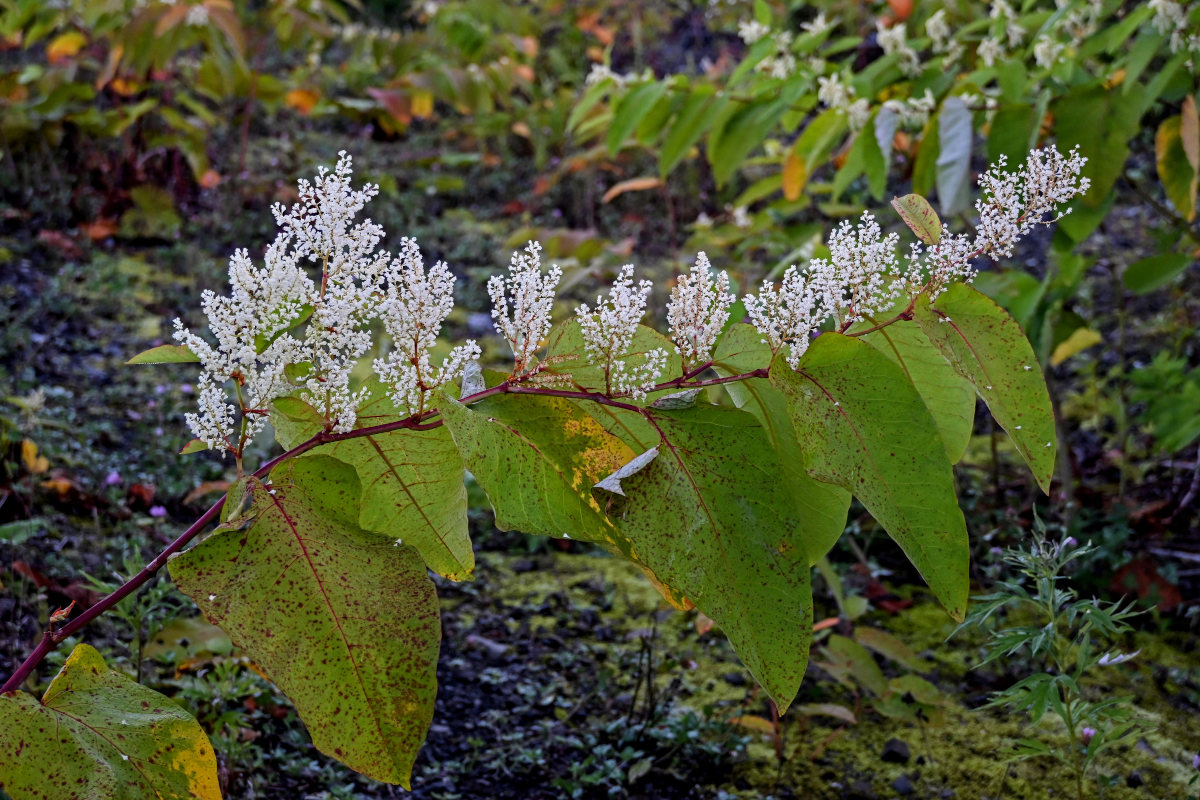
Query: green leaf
point(924, 175)
point(344, 621)
point(822, 506)
point(1008, 135)
point(692, 121)
point(165, 354)
point(1101, 122)
point(955, 132)
point(710, 518)
point(1148, 274)
point(919, 216)
point(413, 482)
point(741, 133)
point(812, 148)
point(629, 112)
point(193, 446)
point(989, 349)
point(97, 734)
point(949, 397)
point(864, 426)
point(537, 458)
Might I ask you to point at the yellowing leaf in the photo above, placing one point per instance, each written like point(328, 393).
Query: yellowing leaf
point(65, 46)
point(522, 129)
point(1079, 340)
point(97, 734)
point(303, 100)
point(1189, 132)
point(422, 104)
point(631, 185)
point(794, 175)
point(33, 462)
point(919, 215)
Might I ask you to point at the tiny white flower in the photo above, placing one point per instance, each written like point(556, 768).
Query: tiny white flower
point(698, 310)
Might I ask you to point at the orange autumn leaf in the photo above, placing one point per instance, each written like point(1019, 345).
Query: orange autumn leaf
point(33, 462)
point(65, 46)
point(631, 185)
point(303, 100)
point(793, 176)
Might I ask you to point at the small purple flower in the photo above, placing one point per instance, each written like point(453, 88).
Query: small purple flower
point(996, 552)
point(1071, 541)
point(1086, 735)
point(1196, 761)
point(158, 511)
point(112, 478)
point(160, 389)
point(185, 388)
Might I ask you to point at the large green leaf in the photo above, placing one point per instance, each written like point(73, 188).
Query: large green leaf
point(537, 458)
point(630, 110)
point(742, 132)
point(1101, 122)
point(822, 506)
point(864, 426)
point(989, 349)
point(413, 482)
point(343, 620)
point(711, 518)
point(949, 396)
point(692, 121)
point(99, 735)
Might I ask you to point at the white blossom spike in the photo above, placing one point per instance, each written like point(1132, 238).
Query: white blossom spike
point(608, 333)
point(532, 292)
point(698, 310)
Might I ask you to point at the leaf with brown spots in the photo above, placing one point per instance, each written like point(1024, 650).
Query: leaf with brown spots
point(989, 349)
point(712, 518)
point(537, 458)
point(413, 485)
point(344, 621)
point(863, 426)
point(97, 734)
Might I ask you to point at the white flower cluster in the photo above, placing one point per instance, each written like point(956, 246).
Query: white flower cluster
point(697, 311)
point(608, 336)
point(940, 35)
point(532, 293)
point(1004, 12)
point(1172, 17)
point(895, 40)
point(414, 306)
point(259, 348)
point(913, 112)
point(862, 276)
point(832, 93)
point(1013, 202)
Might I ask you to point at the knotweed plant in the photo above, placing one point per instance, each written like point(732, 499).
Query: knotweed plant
point(720, 458)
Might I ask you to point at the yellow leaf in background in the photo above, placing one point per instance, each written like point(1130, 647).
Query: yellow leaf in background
point(631, 185)
point(753, 723)
point(1079, 340)
point(1189, 132)
point(422, 104)
point(33, 462)
point(793, 176)
point(302, 100)
point(521, 129)
point(125, 87)
point(65, 46)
